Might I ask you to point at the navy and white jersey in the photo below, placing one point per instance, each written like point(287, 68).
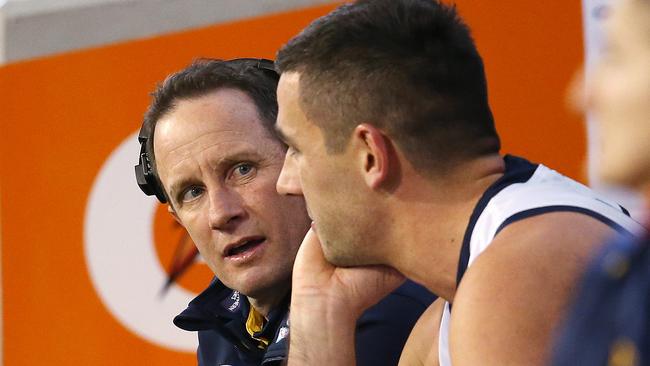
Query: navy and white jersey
point(526, 190)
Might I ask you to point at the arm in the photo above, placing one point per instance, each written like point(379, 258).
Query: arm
point(511, 299)
point(326, 302)
point(422, 346)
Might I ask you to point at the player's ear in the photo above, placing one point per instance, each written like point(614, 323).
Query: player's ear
point(374, 154)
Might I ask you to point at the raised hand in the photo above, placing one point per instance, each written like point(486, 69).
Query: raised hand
point(327, 300)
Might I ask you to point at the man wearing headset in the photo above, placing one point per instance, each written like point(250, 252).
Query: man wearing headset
point(209, 151)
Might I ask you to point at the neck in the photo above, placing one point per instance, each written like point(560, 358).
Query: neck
point(645, 218)
point(265, 303)
point(431, 220)
point(645, 192)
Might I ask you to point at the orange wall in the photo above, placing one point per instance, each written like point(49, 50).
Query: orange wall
point(531, 50)
point(62, 116)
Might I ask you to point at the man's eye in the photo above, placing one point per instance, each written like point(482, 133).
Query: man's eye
point(292, 151)
point(191, 194)
point(244, 169)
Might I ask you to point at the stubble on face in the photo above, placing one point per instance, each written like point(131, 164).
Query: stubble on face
point(333, 189)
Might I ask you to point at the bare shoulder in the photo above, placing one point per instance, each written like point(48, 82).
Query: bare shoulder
point(514, 294)
point(421, 348)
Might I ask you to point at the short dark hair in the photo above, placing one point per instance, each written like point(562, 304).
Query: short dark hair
point(255, 77)
point(408, 66)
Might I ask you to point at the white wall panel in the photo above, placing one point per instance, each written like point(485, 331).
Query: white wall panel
point(34, 28)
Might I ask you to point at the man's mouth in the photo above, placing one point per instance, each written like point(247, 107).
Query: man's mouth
point(243, 246)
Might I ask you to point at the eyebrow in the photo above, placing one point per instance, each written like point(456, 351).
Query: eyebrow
point(237, 157)
point(175, 187)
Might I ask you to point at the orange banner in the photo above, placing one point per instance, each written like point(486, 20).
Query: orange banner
point(83, 269)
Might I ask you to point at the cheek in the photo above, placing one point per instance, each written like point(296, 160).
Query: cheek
point(264, 201)
point(608, 95)
point(606, 100)
point(621, 93)
point(313, 176)
point(623, 111)
point(290, 215)
point(301, 170)
point(283, 213)
point(197, 226)
point(638, 99)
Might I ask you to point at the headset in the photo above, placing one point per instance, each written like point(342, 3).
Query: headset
point(147, 179)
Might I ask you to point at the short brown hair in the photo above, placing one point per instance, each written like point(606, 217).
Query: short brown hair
point(408, 66)
point(204, 76)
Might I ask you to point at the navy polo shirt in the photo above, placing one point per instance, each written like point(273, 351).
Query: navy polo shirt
point(609, 323)
point(219, 315)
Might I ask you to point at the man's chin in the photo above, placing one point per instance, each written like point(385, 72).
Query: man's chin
point(258, 285)
point(339, 259)
point(246, 287)
point(342, 258)
point(272, 294)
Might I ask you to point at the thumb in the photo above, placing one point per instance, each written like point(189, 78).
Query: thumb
point(310, 256)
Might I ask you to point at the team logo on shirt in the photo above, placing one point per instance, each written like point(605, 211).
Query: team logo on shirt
point(282, 334)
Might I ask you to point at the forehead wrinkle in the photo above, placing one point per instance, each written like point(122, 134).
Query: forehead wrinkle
point(207, 117)
point(204, 129)
point(209, 162)
point(207, 153)
point(209, 144)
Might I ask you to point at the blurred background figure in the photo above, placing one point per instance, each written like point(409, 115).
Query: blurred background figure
point(610, 321)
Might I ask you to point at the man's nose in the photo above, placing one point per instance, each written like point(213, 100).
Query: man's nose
point(226, 209)
point(289, 181)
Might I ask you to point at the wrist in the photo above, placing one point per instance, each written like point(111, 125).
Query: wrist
point(322, 328)
point(332, 307)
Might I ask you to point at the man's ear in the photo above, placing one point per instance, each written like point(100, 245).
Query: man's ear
point(375, 154)
point(171, 210)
